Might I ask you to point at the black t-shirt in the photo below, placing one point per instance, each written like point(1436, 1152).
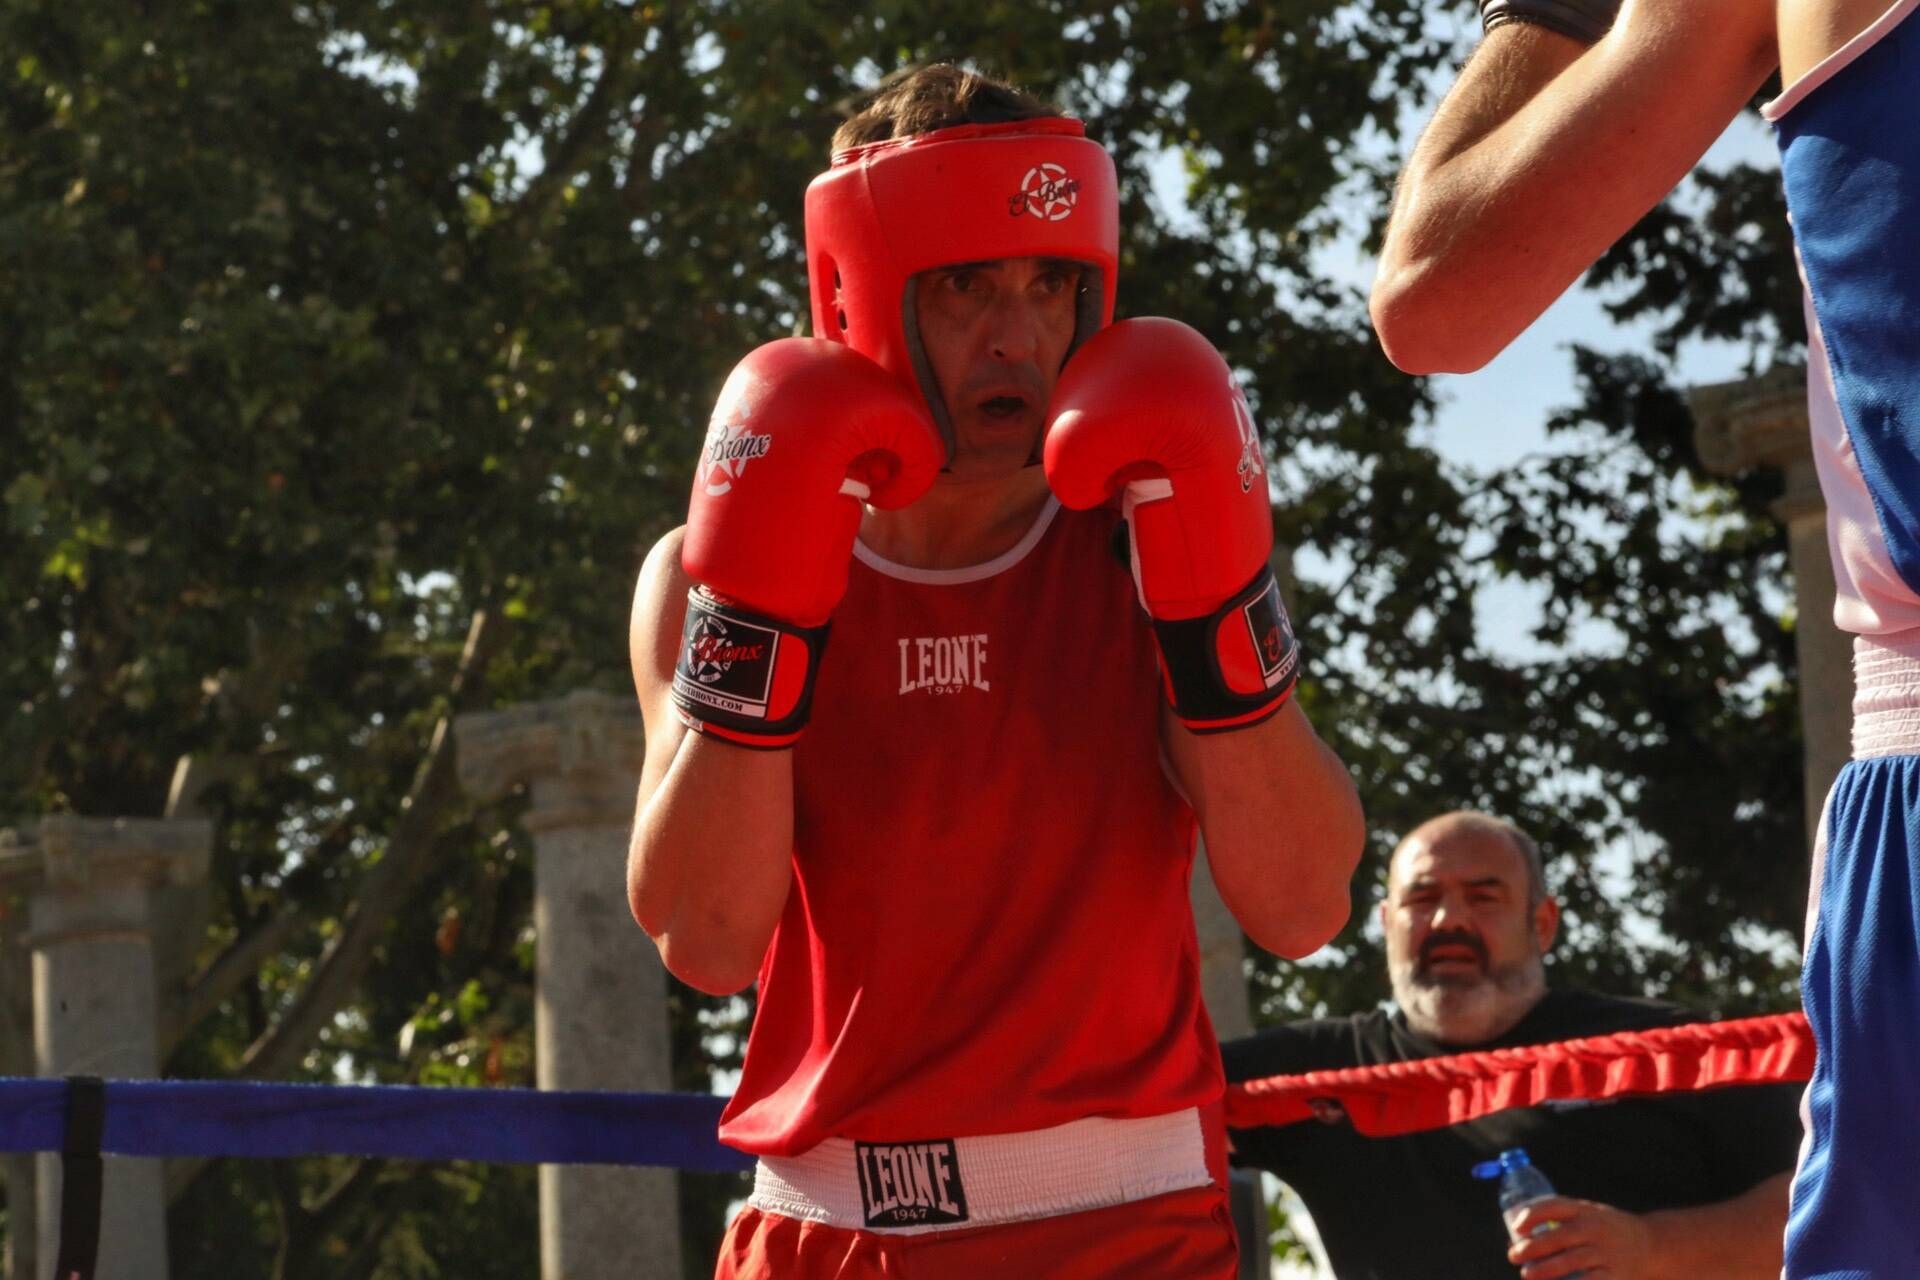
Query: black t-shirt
point(1408, 1207)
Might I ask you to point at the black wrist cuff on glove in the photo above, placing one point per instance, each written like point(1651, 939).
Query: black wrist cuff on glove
point(1582, 20)
point(1234, 667)
point(744, 676)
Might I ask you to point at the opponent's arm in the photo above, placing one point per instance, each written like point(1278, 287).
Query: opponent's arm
point(1149, 409)
point(1541, 156)
point(729, 626)
point(1734, 1239)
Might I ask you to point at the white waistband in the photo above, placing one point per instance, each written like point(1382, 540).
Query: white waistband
point(1886, 698)
point(906, 1188)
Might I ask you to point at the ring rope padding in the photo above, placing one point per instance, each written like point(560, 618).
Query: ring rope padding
point(1431, 1093)
point(410, 1122)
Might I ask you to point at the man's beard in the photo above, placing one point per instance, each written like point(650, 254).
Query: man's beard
point(1467, 1007)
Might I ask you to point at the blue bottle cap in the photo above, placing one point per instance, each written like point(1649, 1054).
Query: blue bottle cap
point(1512, 1158)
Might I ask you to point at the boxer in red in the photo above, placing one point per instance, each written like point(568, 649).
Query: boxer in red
point(953, 845)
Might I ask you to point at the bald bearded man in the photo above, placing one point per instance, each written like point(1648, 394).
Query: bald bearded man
point(1688, 1185)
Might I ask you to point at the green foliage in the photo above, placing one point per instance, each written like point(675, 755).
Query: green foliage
point(329, 326)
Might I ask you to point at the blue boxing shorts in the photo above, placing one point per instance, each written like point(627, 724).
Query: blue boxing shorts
point(1856, 1196)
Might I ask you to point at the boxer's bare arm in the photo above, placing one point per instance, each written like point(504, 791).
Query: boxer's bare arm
point(710, 862)
point(1541, 156)
point(1282, 823)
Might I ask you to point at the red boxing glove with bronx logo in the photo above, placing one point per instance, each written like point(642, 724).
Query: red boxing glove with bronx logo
point(1149, 410)
point(805, 432)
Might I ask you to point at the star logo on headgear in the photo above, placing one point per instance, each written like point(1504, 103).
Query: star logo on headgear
point(729, 448)
point(1046, 192)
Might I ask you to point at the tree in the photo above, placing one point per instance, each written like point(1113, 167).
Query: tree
point(354, 352)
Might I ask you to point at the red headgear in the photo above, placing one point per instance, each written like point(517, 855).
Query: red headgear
point(886, 211)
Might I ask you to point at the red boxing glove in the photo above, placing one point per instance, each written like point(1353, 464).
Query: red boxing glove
point(1149, 408)
point(805, 432)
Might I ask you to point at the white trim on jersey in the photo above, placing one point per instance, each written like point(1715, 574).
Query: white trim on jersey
point(970, 573)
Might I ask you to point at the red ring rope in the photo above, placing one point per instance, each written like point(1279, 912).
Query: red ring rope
point(1404, 1097)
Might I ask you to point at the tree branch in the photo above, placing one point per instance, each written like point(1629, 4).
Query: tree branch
point(651, 125)
point(387, 885)
point(348, 1192)
point(200, 998)
point(565, 154)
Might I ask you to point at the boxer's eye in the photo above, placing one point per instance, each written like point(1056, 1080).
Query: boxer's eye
point(1057, 280)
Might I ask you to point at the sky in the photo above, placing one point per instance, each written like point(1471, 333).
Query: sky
point(1492, 417)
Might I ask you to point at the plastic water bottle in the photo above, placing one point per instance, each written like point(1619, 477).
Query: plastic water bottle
point(1521, 1184)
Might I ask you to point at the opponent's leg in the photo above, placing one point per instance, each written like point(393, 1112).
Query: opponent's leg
point(1855, 1214)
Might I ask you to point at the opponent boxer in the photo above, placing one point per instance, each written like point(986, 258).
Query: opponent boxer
point(1571, 122)
point(918, 756)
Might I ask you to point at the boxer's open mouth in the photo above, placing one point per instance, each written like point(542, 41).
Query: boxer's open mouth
point(1003, 406)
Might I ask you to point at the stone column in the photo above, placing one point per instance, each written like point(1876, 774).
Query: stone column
point(600, 1019)
point(1762, 422)
point(1223, 955)
point(1223, 984)
point(92, 887)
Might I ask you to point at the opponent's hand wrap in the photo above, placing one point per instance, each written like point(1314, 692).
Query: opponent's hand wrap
point(1234, 667)
point(744, 676)
point(1582, 20)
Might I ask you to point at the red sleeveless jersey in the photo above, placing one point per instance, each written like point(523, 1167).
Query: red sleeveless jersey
point(989, 929)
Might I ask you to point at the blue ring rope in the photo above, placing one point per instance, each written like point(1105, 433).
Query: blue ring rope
point(407, 1122)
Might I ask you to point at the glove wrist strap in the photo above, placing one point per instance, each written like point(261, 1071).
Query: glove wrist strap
point(1234, 667)
point(744, 676)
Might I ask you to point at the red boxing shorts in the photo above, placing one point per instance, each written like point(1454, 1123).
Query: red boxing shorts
point(1183, 1235)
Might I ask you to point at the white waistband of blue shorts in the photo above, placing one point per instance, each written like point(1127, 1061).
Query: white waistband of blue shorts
point(1886, 696)
point(1003, 1177)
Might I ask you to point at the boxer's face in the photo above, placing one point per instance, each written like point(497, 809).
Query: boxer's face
point(996, 334)
point(1465, 932)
